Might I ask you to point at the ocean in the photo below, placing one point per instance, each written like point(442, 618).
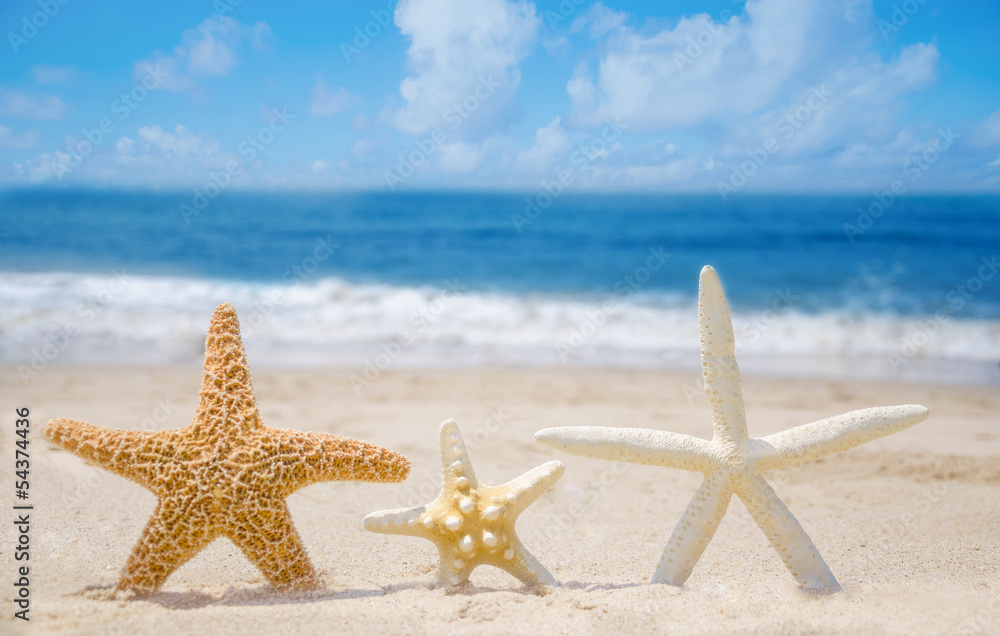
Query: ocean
point(832, 286)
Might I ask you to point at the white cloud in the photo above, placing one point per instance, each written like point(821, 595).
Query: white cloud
point(363, 146)
point(320, 166)
point(207, 50)
point(326, 103)
point(858, 105)
point(125, 146)
point(860, 101)
point(551, 143)
point(601, 20)
point(15, 103)
point(676, 172)
point(179, 143)
point(460, 157)
point(153, 157)
point(9, 140)
point(41, 169)
point(181, 147)
point(798, 72)
point(45, 74)
point(916, 65)
point(988, 133)
point(703, 70)
point(465, 54)
point(360, 121)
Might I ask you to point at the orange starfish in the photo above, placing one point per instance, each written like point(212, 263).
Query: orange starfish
point(225, 474)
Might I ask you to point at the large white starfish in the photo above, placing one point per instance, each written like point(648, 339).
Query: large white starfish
point(731, 461)
point(470, 523)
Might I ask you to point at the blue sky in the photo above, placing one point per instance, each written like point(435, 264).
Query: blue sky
point(718, 96)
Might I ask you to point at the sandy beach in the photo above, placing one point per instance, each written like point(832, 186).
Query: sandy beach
point(908, 524)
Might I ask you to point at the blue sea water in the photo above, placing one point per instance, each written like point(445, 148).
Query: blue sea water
point(333, 278)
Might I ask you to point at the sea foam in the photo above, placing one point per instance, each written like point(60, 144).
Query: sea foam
point(61, 317)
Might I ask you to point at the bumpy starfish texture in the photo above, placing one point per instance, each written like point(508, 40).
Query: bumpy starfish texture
point(225, 474)
point(470, 523)
point(731, 461)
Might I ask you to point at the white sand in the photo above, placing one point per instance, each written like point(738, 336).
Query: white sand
point(910, 525)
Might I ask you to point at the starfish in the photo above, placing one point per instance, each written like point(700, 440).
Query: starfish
point(472, 524)
point(225, 474)
point(731, 461)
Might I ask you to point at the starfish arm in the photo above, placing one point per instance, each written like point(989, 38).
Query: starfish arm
point(131, 454)
point(448, 574)
point(406, 521)
point(167, 543)
point(787, 537)
point(453, 451)
point(694, 531)
point(226, 400)
point(835, 434)
point(300, 459)
point(718, 360)
point(523, 491)
point(636, 445)
point(266, 535)
point(525, 567)
point(398, 521)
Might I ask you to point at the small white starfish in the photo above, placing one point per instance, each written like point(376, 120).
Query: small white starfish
point(472, 524)
point(731, 461)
